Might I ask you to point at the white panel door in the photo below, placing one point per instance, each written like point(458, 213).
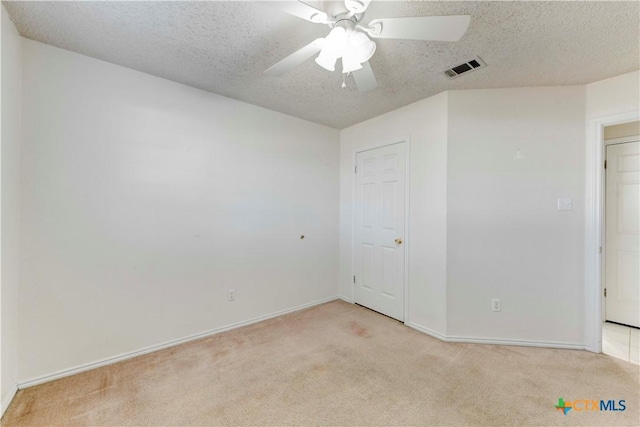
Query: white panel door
point(379, 230)
point(622, 218)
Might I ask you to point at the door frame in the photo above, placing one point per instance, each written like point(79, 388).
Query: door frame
point(407, 169)
point(607, 143)
point(594, 225)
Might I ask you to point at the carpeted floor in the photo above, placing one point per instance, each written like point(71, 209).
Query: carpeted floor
point(336, 364)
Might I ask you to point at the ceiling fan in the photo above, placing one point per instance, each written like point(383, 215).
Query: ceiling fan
point(350, 39)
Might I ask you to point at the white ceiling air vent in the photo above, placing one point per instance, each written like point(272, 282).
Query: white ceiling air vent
point(467, 67)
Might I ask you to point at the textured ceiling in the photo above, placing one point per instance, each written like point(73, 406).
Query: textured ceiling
point(224, 47)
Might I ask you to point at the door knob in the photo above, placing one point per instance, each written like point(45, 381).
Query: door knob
point(398, 241)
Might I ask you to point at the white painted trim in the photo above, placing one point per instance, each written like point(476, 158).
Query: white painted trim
point(522, 343)
point(427, 331)
point(345, 299)
point(406, 140)
point(622, 140)
point(496, 341)
point(115, 359)
point(594, 218)
point(7, 399)
point(407, 225)
point(379, 144)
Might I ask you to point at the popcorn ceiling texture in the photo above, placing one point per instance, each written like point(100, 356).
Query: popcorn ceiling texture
point(224, 47)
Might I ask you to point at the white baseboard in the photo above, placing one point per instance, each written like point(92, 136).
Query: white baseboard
point(6, 399)
point(345, 299)
point(426, 331)
point(524, 343)
point(475, 340)
point(115, 359)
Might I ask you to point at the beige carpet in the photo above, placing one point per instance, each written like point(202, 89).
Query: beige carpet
point(335, 364)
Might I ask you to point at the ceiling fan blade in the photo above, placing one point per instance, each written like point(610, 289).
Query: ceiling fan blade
point(302, 10)
point(365, 79)
point(442, 28)
point(357, 6)
point(296, 58)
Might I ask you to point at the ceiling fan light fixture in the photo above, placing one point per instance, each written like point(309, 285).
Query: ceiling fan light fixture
point(332, 49)
point(336, 40)
point(366, 51)
point(327, 60)
point(361, 47)
point(349, 64)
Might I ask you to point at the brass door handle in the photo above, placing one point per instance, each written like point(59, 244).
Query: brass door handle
point(398, 241)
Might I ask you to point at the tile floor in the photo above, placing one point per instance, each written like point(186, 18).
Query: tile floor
point(621, 341)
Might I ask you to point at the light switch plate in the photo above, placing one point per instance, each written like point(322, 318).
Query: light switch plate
point(565, 204)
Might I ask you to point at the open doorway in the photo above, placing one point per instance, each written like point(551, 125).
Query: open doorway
point(621, 242)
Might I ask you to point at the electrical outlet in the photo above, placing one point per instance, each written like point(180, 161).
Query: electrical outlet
point(231, 295)
point(495, 304)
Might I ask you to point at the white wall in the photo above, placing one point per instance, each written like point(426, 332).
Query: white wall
point(612, 96)
point(505, 237)
point(10, 88)
point(425, 123)
point(144, 201)
point(484, 225)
